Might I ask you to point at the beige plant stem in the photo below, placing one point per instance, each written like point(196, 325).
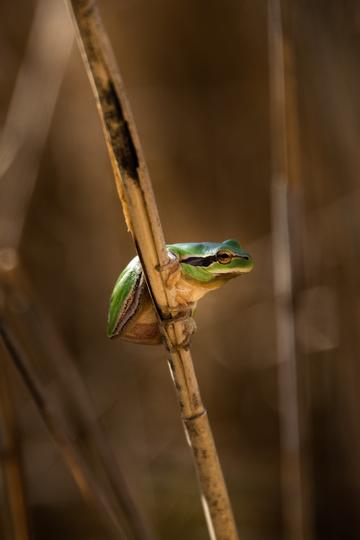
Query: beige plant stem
point(140, 210)
point(10, 462)
point(72, 425)
point(31, 108)
point(60, 395)
point(288, 270)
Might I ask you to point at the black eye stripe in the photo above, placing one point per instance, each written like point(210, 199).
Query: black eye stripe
point(206, 261)
point(200, 261)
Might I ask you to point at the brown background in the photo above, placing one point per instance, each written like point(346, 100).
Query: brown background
point(196, 74)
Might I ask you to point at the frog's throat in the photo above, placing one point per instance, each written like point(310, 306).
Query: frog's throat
point(200, 276)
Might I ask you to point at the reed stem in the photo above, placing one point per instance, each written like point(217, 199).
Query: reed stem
point(141, 215)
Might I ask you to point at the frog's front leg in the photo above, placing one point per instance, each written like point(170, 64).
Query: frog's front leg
point(173, 279)
point(170, 271)
point(188, 329)
point(174, 273)
point(185, 309)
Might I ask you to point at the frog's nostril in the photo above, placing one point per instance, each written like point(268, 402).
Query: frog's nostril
point(245, 257)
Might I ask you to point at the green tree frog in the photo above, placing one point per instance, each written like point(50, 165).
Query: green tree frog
point(203, 267)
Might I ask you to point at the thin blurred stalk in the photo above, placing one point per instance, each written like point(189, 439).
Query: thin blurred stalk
point(63, 401)
point(67, 411)
point(78, 441)
point(141, 214)
point(29, 115)
point(11, 461)
point(287, 260)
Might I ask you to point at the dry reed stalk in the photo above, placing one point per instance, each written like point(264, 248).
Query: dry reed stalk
point(288, 270)
point(30, 111)
point(11, 461)
point(67, 411)
point(95, 492)
point(141, 215)
point(65, 405)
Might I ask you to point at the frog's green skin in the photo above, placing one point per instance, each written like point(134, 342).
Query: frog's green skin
point(204, 267)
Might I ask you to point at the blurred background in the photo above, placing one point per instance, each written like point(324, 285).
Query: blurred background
point(197, 77)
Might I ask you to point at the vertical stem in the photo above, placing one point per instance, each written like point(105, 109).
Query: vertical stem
point(287, 266)
point(10, 458)
point(28, 119)
point(95, 491)
point(141, 214)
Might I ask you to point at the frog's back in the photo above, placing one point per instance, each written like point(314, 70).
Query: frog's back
point(185, 250)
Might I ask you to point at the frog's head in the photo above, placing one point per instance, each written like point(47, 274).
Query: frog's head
point(231, 258)
point(209, 261)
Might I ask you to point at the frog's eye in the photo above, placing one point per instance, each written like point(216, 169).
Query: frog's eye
point(224, 257)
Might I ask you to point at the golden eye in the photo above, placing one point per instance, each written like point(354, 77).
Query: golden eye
point(224, 257)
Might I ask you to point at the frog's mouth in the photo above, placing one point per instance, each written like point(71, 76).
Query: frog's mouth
point(230, 275)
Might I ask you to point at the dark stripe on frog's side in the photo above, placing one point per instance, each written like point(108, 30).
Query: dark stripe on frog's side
point(131, 306)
